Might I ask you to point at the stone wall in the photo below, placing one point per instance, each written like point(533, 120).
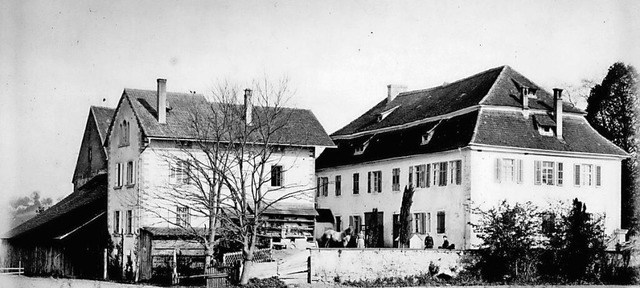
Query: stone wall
point(331, 265)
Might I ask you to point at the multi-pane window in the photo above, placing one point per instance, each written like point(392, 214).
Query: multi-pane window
point(131, 175)
point(509, 170)
point(276, 176)
point(116, 221)
point(129, 226)
point(548, 172)
point(584, 175)
point(421, 179)
point(338, 185)
point(356, 183)
point(183, 217)
point(338, 223)
point(560, 173)
point(178, 172)
point(375, 182)
point(119, 174)
point(455, 173)
point(440, 222)
point(440, 174)
point(395, 179)
point(323, 186)
point(419, 223)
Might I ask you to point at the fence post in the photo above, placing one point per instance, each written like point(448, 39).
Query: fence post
point(174, 274)
point(309, 269)
point(19, 267)
point(105, 262)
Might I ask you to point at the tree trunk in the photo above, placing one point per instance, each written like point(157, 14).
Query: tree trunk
point(247, 266)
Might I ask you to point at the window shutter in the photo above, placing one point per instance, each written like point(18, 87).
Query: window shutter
point(428, 175)
point(598, 176)
point(519, 170)
point(498, 169)
point(369, 182)
point(351, 221)
point(560, 174)
point(410, 175)
point(458, 172)
point(576, 169)
point(443, 166)
point(538, 173)
point(318, 187)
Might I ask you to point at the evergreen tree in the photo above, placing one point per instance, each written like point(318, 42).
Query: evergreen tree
point(613, 111)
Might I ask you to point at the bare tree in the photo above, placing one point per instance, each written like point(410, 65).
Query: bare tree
point(228, 171)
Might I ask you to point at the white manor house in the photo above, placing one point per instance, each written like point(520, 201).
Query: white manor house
point(471, 143)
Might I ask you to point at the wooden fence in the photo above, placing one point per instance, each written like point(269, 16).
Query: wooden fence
point(260, 255)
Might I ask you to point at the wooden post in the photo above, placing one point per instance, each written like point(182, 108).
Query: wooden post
point(105, 262)
point(174, 274)
point(19, 267)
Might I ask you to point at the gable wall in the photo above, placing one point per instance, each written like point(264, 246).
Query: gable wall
point(126, 197)
point(86, 169)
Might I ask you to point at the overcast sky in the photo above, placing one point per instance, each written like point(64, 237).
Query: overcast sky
point(57, 58)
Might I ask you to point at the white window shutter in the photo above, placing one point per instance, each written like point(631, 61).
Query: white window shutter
point(519, 170)
point(538, 173)
point(598, 176)
point(498, 169)
point(577, 174)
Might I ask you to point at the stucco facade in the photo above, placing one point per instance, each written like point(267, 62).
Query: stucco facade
point(515, 142)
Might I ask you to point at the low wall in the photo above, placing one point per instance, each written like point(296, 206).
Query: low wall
point(329, 265)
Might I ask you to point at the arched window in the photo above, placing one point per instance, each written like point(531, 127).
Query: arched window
point(124, 133)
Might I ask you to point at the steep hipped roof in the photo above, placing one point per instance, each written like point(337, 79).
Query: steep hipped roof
point(498, 87)
point(299, 126)
point(62, 217)
point(511, 129)
point(484, 109)
point(102, 117)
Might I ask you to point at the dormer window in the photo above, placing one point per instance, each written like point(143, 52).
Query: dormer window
point(386, 113)
point(529, 92)
point(359, 149)
point(545, 125)
point(426, 138)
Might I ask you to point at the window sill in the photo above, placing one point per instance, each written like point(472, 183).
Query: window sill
point(129, 234)
point(131, 185)
point(117, 187)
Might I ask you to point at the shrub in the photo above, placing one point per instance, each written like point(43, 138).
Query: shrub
point(509, 234)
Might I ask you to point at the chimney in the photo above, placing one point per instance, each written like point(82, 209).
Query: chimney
point(393, 90)
point(557, 107)
point(525, 97)
point(248, 107)
point(162, 101)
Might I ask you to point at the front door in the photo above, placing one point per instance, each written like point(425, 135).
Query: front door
point(375, 228)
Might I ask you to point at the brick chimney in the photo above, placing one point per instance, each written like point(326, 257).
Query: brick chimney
point(393, 90)
point(162, 100)
point(557, 107)
point(525, 97)
point(248, 107)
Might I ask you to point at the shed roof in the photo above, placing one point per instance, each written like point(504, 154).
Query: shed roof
point(75, 209)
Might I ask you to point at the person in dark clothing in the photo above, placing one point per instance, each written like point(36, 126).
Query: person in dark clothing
point(445, 243)
point(428, 242)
